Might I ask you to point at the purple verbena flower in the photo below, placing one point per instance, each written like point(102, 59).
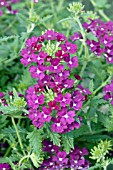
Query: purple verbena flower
point(69, 47)
point(108, 91)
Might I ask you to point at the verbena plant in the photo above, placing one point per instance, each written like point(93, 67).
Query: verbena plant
point(56, 99)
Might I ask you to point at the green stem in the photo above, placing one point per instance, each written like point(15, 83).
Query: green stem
point(102, 85)
point(27, 156)
point(100, 11)
point(89, 126)
point(53, 10)
point(83, 68)
point(19, 138)
point(7, 151)
point(105, 168)
point(84, 44)
point(83, 35)
point(95, 132)
point(10, 25)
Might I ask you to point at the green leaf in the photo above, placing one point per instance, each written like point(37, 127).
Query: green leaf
point(2, 39)
point(68, 142)
point(11, 130)
point(35, 140)
point(22, 19)
point(94, 138)
point(106, 121)
point(101, 3)
point(92, 37)
point(1, 136)
point(79, 132)
point(7, 160)
point(3, 121)
point(91, 86)
point(9, 109)
point(15, 94)
point(55, 137)
point(95, 167)
point(65, 19)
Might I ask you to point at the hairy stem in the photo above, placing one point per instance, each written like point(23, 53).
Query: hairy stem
point(100, 11)
point(7, 151)
point(102, 85)
point(19, 138)
point(27, 156)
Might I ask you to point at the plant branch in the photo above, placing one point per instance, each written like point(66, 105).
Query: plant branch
point(100, 11)
point(19, 138)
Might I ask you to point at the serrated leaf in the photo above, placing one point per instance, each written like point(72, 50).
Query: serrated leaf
point(11, 130)
point(6, 38)
point(55, 137)
point(101, 3)
point(7, 160)
point(22, 19)
point(35, 140)
point(95, 167)
point(68, 142)
point(1, 136)
point(79, 132)
point(92, 37)
point(15, 94)
point(106, 121)
point(48, 17)
point(65, 19)
point(94, 138)
point(9, 110)
point(3, 121)
point(91, 86)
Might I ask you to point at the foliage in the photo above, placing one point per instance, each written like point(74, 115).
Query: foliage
point(21, 143)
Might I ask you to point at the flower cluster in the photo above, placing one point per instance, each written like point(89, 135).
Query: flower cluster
point(5, 167)
point(104, 34)
point(54, 98)
point(59, 159)
point(108, 90)
point(7, 4)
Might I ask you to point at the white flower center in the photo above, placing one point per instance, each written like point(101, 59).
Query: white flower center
point(60, 74)
point(70, 62)
point(38, 58)
point(36, 101)
point(109, 58)
point(66, 116)
point(45, 116)
point(108, 50)
point(60, 159)
point(55, 67)
point(29, 59)
point(75, 161)
point(38, 71)
point(91, 45)
point(64, 100)
point(2, 3)
point(68, 48)
point(58, 124)
point(105, 42)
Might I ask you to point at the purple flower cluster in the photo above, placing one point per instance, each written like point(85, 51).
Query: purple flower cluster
point(59, 159)
point(53, 99)
point(7, 4)
point(2, 99)
point(5, 167)
point(104, 34)
point(108, 90)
